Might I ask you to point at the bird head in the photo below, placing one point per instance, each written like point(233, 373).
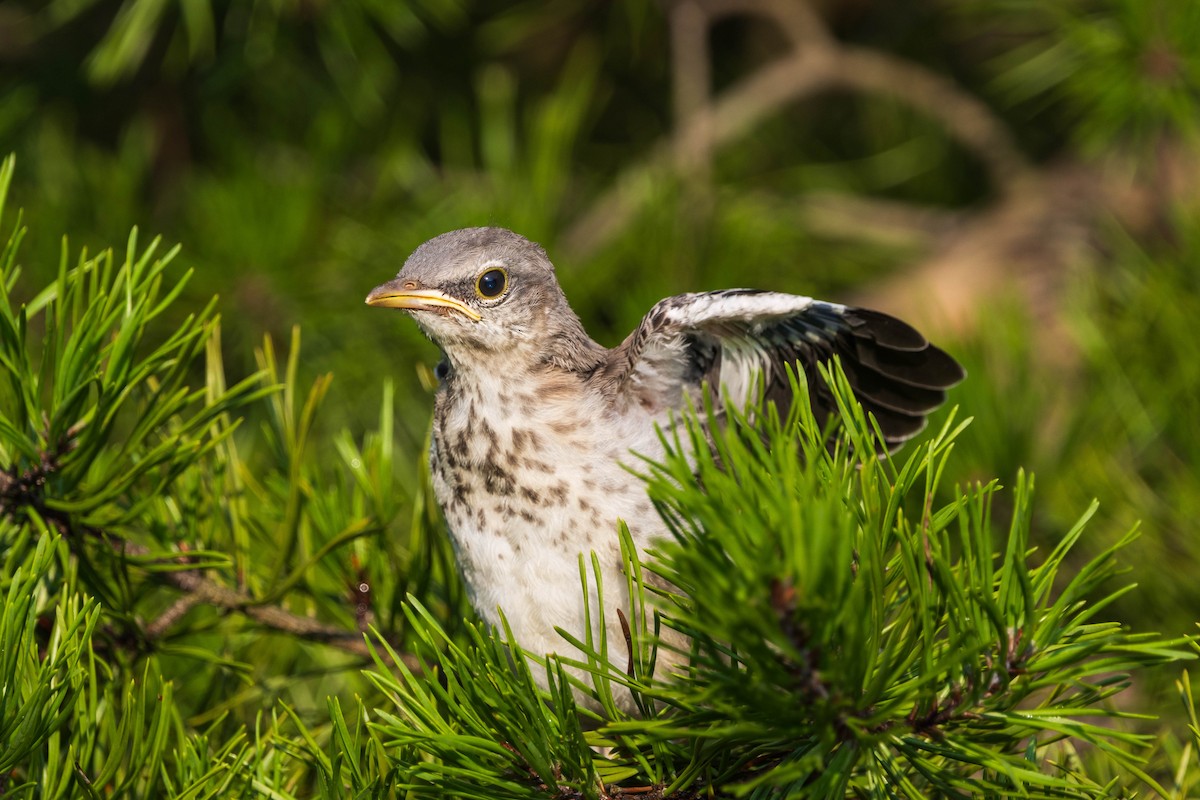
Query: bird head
point(478, 292)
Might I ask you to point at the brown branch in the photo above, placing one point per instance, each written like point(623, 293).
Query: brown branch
point(1019, 249)
point(163, 622)
point(819, 66)
point(691, 61)
point(1025, 247)
point(25, 490)
point(885, 222)
point(199, 589)
point(968, 119)
point(735, 112)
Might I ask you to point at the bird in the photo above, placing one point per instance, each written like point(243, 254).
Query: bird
point(535, 424)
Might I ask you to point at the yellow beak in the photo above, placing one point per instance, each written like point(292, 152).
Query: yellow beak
point(397, 294)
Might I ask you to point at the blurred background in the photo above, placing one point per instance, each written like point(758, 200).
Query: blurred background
point(1017, 177)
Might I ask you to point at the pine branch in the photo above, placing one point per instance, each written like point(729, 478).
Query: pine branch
point(850, 625)
point(18, 491)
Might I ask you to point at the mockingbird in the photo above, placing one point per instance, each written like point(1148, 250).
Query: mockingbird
point(533, 420)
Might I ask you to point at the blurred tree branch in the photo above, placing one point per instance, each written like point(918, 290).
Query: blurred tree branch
point(1028, 240)
point(817, 63)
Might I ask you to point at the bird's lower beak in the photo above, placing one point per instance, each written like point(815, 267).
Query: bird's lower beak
point(398, 294)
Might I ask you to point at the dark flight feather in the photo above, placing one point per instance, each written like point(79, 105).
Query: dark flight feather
point(726, 337)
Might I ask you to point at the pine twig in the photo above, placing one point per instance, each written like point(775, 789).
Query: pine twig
point(25, 489)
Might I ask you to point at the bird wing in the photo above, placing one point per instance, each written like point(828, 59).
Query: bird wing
point(731, 338)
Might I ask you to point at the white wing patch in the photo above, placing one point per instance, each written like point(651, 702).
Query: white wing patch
point(717, 307)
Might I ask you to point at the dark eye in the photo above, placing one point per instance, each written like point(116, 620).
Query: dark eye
point(492, 283)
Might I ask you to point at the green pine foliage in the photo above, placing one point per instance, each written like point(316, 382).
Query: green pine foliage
point(1125, 70)
point(168, 577)
point(222, 573)
point(186, 602)
point(849, 639)
point(1121, 422)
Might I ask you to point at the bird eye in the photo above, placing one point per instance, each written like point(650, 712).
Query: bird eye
point(491, 283)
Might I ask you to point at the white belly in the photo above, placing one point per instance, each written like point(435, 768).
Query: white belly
point(526, 495)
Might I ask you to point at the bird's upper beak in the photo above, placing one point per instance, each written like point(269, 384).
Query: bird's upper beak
point(404, 294)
